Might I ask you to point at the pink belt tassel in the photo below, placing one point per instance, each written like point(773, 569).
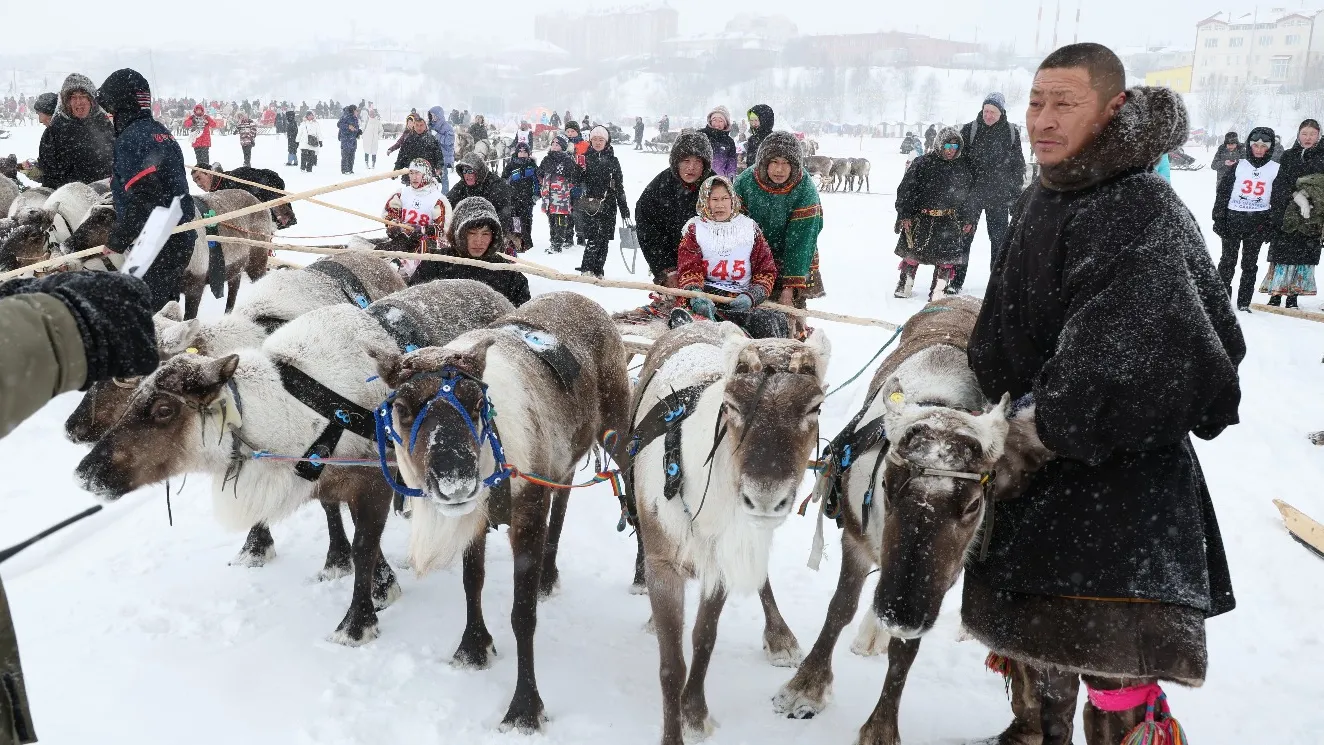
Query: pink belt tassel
point(1159, 728)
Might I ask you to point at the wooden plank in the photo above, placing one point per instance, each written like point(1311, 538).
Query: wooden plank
point(1304, 529)
point(1305, 315)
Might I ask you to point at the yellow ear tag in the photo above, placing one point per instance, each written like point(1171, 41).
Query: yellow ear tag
point(897, 398)
point(192, 350)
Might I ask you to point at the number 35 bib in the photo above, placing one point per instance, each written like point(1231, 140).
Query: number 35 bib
point(1253, 187)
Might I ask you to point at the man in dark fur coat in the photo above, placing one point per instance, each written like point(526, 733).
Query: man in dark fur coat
point(669, 201)
point(1104, 563)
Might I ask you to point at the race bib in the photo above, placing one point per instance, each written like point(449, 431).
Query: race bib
point(1253, 187)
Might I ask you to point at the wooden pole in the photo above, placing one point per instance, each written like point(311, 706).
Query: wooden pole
point(318, 202)
point(528, 267)
point(96, 251)
point(1304, 315)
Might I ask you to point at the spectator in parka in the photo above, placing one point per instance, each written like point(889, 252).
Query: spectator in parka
point(476, 180)
point(348, 132)
point(638, 133)
point(292, 137)
point(78, 144)
point(992, 148)
point(45, 108)
point(718, 132)
point(1231, 153)
point(310, 141)
point(417, 142)
point(149, 173)
point(372, 138)
point(559, 174)
point(444, 133)
point(522, 173)
point(476, 232)
point(669, 201)
point(201, 125)
point(604, 196)
point(247, 132)
point(761, 121)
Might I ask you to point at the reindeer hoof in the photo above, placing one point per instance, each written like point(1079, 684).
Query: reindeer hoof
point(346, 637)
point(692, 732)
point(334, 572)
point(794, 703)
point(549, 590)
point(870, 640)
point(253, 559)
point(526, 723)
point(382, 598)
point(782, 651)
point(639, 588)
point(474, 658)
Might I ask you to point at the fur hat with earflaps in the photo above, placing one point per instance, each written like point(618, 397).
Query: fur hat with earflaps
point(779, 144)
point(947, 136)
point(691, 143)
point(472, 213)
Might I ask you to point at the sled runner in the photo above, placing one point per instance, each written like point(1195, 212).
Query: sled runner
point(1304, 530)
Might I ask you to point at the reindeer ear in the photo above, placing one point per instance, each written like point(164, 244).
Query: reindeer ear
point(389, 365)
point(894, 396)
point(821, 347)
point(176, 338)
point(172, 311)
point(1002, 407)
point(212, 376)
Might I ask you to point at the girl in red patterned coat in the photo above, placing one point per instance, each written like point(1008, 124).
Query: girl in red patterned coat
point(723, 252)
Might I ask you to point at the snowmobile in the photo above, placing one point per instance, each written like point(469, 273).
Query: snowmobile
point(1180, 161)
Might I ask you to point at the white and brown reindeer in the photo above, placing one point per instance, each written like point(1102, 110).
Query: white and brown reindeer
point(555, 370)
point(724, 426)
point(306, 396)
point(270, 303)
point(912, 492)
point(35, 230)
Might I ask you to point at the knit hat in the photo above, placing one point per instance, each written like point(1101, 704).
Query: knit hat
point(1231, 139)
point(691, 143)
point(522, 146)
point(560, 139)
point(600, 131)
point(997, 100)
point(472, 213)
point(46, 104)
point(569, 125)
point(423, 167)
point(124, 93)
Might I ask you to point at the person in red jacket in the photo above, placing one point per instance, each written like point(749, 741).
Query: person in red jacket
point(723, 252)
point(201, 125)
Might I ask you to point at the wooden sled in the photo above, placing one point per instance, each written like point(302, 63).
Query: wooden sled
point(1304, 530)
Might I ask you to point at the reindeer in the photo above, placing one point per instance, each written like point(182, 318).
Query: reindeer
point(912, 495)
point(307, 393)
point(555, 369)
point(35, 231)
point(708, 505)
point(9, 191)
point(839, 174)
point(859, 173)
point(239, 259)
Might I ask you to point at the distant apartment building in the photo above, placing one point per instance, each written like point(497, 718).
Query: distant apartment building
point(1176, 78)
point(609, 34)
point(881, 48)
point(1262, 47)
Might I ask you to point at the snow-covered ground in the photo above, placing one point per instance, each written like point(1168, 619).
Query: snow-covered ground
point(133, 631)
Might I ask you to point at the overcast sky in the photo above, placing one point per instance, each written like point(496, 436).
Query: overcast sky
point(34, 25)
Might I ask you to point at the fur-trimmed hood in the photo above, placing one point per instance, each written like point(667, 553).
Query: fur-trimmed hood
point(1151, 122)
point(471, 213)
point(475, 161)
point(79, 82)
point(691, 142)
point(780, 144)
point(948, 135)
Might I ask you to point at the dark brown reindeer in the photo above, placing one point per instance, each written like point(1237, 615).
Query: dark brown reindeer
point(555, 370)
point(912, 498)
point(724, 427)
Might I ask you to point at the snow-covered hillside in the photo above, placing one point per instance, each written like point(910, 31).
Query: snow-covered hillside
point(133, 631)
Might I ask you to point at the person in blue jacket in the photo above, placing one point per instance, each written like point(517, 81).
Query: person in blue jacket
point(522, 173)
point(148, 173)
point(348, 132)
point(445, 134)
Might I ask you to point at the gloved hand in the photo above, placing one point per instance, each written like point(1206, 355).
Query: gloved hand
point(741, 303)
point(704, 307)
point(114, 316)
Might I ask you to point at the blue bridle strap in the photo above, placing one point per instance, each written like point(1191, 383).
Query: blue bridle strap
point(450, 380)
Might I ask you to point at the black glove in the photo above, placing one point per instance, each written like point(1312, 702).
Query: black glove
point(114, 316)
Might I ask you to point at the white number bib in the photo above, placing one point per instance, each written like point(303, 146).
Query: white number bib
point(1253, 187)
point(727, 247)
point(418, 205)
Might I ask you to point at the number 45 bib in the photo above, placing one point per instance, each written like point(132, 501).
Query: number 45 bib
point(1253, 187)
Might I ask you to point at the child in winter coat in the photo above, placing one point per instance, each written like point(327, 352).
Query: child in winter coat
point(310, 141)
point(201, 125)
point(422, 211)
point(522, 173)
point(579, 148)
point(559, 175)
point(247, 132)
point(476, 233)
point(723, 252)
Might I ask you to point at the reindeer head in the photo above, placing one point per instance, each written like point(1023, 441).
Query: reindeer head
point(282, 215)
point(774, 388)
point(933, 495)
point(162, 431)
point(440, 412)
point(105, 402)
point(93, 231)
point(26, 241)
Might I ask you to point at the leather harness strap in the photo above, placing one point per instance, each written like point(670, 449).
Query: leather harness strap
point(396, 321)
point(350, 284)
point(341, 414)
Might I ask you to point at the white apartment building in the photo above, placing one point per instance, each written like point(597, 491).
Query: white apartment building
point(1272, 45)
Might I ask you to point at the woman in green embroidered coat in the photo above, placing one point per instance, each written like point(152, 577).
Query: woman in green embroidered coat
point(779, 195)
